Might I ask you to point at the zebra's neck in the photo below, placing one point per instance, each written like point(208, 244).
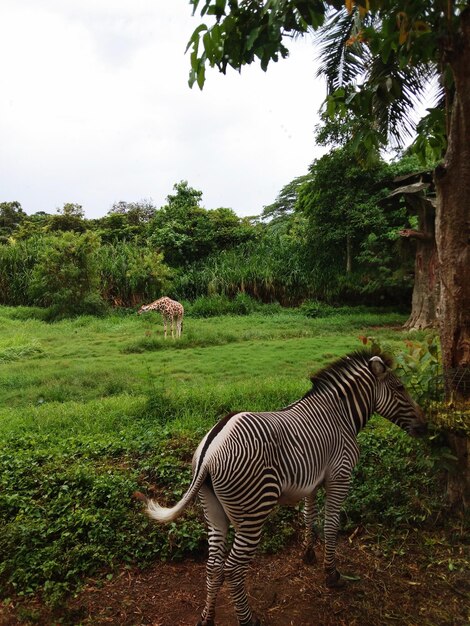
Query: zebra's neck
point(349, 397)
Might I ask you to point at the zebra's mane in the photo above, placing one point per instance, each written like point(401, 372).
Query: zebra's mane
point(349, 363)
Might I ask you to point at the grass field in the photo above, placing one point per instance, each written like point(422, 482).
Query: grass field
point(118, 361)
point(93, 408)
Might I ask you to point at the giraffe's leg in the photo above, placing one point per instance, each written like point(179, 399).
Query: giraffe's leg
point(217, 523)
point(172, 324)
point(164, 326)
point(336, 491)
point(311, 537)
point(179, 326)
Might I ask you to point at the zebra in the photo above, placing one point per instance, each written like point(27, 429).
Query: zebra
point(250, 462)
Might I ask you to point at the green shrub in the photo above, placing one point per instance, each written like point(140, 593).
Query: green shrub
point(243, 304)
point(250, 268)
point(209, 306)
point(395, 480)
point(218, 304)
point(28, 313)
point(68, 512)
point(315, 308)
point(131, 274)
point(66, 278)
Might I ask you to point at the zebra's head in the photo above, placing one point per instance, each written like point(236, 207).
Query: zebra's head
point(394, 402)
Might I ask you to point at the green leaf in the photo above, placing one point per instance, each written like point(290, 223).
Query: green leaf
point(252, 37)
point(201, 76)
point(194, 40)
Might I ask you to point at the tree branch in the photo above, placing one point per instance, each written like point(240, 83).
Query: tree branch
point(415, 234)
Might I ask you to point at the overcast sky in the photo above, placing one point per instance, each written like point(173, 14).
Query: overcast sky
point(95, 108)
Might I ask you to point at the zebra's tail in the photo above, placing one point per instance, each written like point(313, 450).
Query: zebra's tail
point(163, 514)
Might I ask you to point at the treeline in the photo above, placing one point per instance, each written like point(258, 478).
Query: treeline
point(331, 235)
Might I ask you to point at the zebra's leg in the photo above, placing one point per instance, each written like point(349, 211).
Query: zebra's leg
point(218, 524)
point(311, 536)
point(242, 553)
point(336, 491)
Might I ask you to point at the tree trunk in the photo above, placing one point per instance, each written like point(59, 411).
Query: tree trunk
point(452, 181)
point(348, 255)
point(425, 299)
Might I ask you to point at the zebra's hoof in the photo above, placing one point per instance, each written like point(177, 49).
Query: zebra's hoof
point(206, 622)
point(309, 557)
point(334, 580)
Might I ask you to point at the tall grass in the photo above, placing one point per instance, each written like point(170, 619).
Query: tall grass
point(128, 273)
point(16, 266)
point(253, 269)
point(131, 274)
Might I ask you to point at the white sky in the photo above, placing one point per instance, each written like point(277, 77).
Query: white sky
point(95, 108)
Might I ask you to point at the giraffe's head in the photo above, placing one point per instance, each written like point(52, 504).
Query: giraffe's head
point(158, 305)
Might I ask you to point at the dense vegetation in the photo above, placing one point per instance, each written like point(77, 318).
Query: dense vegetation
point(328, 236)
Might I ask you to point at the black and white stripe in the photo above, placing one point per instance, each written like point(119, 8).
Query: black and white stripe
point(250, 462)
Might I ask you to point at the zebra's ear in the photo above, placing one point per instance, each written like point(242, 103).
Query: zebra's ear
point(377, 366)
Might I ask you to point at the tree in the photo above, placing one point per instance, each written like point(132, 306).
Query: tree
point(184, 197)
point(417, 190)
point(33, 225)
point(228, 229)
point(115, 227)
point(71, 217)
point(352, 235)
point(286, 199)
point(186, 232)
point(137, 213)
point(181, 229)
point(401, 45)
point(11, 216)
point(126, 221)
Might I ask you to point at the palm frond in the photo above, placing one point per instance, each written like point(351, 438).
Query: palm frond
point(392, 94)
point(397, 95)
point(342, 56)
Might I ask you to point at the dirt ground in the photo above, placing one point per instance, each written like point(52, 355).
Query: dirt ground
point(402, 587)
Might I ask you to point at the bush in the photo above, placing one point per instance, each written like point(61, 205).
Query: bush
point(211, 306)
point(395, 479)
point(315, 308)
point(131, 274)
point(68, 512)
point(243, 304)
point(208, 306)
point(66, 277)
point(270, 269)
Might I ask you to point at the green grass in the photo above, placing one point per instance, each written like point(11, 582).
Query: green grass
point(88, 358)
point(92, 409)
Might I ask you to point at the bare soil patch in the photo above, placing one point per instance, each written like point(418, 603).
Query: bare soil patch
point(403, 587)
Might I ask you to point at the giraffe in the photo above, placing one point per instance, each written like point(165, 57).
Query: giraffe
point(170, 310)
